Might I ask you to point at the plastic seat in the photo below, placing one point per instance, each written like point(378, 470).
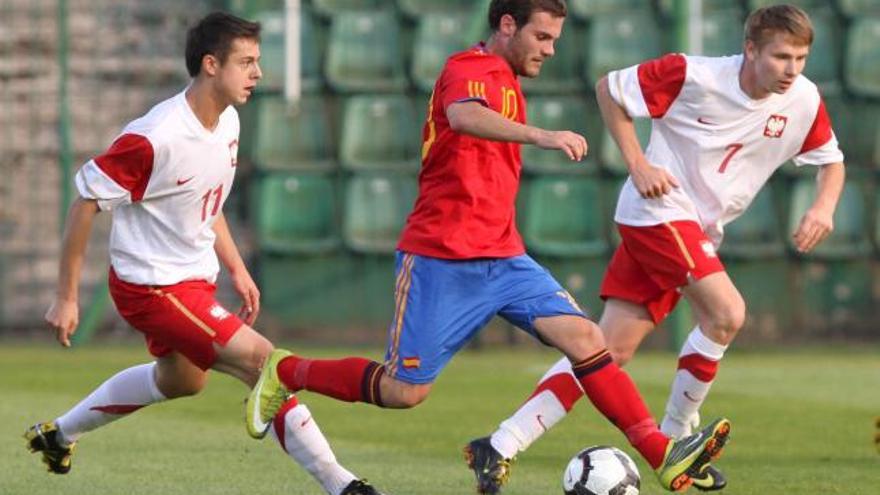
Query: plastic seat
point(376, 208)
point(808, 5)
point(438, 36)
point(565, 217)
point(850, 239)
point(757, 234)
point(293, 137)
point(855, 8)
point(609, 153)
point(561, 113)
point(418, 9)
point(620, 40)
point(380, 133)
point(363, 52)
point(862, 64)
point(561, 72)
point(329, 8)
point(296, 213)
point(586, 9)
point(272, 57)
point(722, 32)
point(823, 65)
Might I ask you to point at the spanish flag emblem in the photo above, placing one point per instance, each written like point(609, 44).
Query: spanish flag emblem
point(411, 362)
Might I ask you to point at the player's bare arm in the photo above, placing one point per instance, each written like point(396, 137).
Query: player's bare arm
point(238, 272)
point(63, 314)
point(650, 181)
point(474, 119)
point(818, 222)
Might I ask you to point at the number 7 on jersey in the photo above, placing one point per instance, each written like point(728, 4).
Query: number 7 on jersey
point(732, 149)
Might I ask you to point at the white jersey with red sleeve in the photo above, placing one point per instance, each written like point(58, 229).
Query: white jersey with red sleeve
point(165, 178)
point(720, 144)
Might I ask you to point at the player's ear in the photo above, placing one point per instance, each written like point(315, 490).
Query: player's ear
point(210, 65)
point(507, 25)
point(750, 50)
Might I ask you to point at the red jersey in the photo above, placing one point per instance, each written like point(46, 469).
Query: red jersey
point(468, 185)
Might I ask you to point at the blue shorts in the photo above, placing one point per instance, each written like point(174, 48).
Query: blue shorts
point(441, 304)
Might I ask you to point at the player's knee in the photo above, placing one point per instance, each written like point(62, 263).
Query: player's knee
point(727, 321)
point(621, 355)
point(184, 386)
point(405, 395)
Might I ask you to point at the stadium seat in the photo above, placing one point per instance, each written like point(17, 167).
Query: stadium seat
point(586, 9)
point(851, 238)
point(561, 73)
point(565, 217)
point(722, 32)
point(418, 9)
point(758, 233)
point(561, 113)
point(296, 213)
point(823, 66)
point(293, 137)
point(329, 8)
point(808, 5)
point(437, 36)
point(862, 74)
point(272, 60)
point(856, 8)
point(620, 40)
point(376, 208)
point(380, 132)
point(363, 52)
point(609, 153)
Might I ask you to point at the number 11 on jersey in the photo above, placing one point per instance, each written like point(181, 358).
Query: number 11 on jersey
point(217, 193)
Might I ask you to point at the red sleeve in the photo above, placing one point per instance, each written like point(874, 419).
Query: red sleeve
point(820, 132)
point(661, 80)
point(129, 162)
point(466, 81)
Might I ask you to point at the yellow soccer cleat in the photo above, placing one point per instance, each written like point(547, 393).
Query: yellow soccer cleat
point(267, 396)
point(43, 437)
point(688, 458)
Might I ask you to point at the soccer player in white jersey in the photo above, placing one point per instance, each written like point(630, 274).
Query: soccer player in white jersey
point(165, 179)
point(721, 126)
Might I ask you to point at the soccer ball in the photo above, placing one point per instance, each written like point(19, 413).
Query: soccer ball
point(601, 470)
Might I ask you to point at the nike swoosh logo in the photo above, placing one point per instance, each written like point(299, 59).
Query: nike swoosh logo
point(704, 121)
point(689, 397)
point(541, 421)
point(301, 425)
point(184, 181)
point(257, 421)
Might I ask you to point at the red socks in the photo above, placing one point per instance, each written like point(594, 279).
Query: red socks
point(351, 379)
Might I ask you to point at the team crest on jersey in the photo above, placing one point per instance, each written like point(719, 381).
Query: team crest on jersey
point(708, 249)
point(233, 151)
point(775, 126)
point(219, 312)
point(411, 362)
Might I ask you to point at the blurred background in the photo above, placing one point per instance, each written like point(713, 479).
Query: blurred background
point(330, 152)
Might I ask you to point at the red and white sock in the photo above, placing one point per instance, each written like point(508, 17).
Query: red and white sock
point(697, 366)
point(121, 395)
point(556, 393)
point(351, 379)
point(299, 436)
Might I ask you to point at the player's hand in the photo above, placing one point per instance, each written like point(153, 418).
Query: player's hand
point(571, 143)
point(63, 316)
point(653, 182)
point(815, 226)
point(250, 296)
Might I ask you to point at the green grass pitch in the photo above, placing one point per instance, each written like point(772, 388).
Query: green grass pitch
point(802, 424)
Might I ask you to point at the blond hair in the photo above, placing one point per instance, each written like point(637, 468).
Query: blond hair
point(789, 20)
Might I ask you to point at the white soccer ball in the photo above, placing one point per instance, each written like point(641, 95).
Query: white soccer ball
point(601, 470)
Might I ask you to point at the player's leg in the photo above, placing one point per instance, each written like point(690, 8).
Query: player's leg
point(719, 310)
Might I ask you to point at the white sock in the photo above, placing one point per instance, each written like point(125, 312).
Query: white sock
point(304, 442)
point(688, 390)
point(540, 412)
point(121, 395)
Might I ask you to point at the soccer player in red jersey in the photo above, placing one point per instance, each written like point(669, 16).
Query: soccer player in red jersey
point(461, 261)
point(165, 179)
point(721, 128)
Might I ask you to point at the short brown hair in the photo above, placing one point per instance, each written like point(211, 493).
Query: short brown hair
point(213, 35)
point(792, 21)
point(522, 10)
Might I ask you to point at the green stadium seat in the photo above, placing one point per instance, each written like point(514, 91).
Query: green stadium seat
point(571, 113)
point(329, 8)
point(376, 208)
point(380, 132)
point(807, 5)
point(823, 64)
point(758, 233)
point(851, 238)
point(722, 32)
point(364, 52)
point(561, 72)
point(293, 137)
point(587, 9)
point(834, 295)
point(766, 286)
point(856, 8)
point(296, 213)
point(565, 217)
point(250, 9)
point(437, 36)
point(620, 40)
point(417, 9)
point(862, 74)
point(272, 59)
point(609, 153)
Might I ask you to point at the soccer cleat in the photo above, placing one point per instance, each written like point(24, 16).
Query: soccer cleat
point(709, 479)
point(267, 396)
point(491, 469)
point(359, 487)
point(43, 437)
point(685, 459)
